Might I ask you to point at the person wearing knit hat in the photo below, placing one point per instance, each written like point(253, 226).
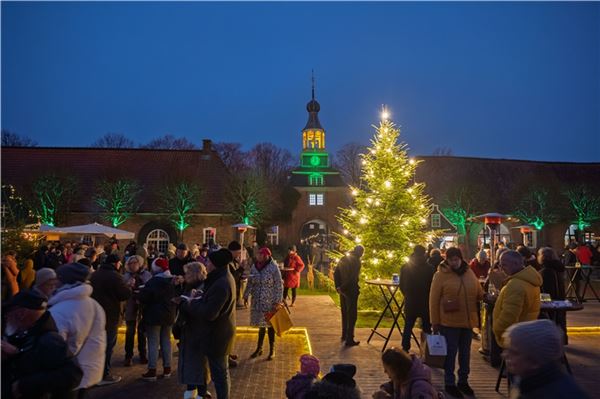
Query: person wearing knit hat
point(298, 385)
point(45, 281)
point(533, 352)
point(160, 265)
point(81, 321)
point(266, 289)
point(72, 273)
point(213, 316)
point(220, 258)
point(158, 316)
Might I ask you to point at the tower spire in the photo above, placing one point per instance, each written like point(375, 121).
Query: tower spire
point(313, 84)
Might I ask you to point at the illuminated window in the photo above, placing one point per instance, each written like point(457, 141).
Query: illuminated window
point(159, 240)
point(316, 199)
point(209, 233)
point(273, 235)
point(436, 220)
point(315, 180)
point(2, 211)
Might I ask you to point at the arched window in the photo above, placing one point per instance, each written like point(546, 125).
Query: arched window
point(159, 239)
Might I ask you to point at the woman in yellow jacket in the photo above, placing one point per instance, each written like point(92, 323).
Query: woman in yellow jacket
point(453, 305)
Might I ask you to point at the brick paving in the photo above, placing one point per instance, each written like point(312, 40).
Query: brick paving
point(321, 318)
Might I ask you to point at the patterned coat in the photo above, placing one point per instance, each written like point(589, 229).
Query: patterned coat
point(266, 289)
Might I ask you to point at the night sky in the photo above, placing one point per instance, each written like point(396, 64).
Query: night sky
point(501, 80)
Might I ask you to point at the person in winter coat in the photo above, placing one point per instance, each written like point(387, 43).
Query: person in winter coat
point(158, 316)
point(176, 263)
point(415, 282)
point(26, 275)
point(346, 276)
point(36, 362)
point(553, 283)
point(45, 281)
point(135, 276)
point(533, 352)
point(192, 368)
point(110, 290)
point(519, 298)
point(266, 289)
point(410, 379)
point(10, 271)
point(528, 258)
point(453, 305)
point(435, 258)
point(298, 385)
point(80, 320)
point(293, 266)
point(210, 325)
point(480, 265)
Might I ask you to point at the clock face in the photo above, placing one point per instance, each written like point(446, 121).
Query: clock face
point(314, 160)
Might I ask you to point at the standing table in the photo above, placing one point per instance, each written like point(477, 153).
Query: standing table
point(584, 272)
point(389, 289)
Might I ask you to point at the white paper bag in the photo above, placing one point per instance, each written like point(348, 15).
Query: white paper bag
point(436, 345)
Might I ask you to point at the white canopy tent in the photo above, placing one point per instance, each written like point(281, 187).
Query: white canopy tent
point(93, 229)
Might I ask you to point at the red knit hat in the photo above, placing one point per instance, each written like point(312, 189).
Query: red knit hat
point(161, 263)
point(265, 251)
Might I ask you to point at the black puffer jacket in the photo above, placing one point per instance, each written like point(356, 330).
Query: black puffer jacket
point(109, 291)
point(158, 309)
point(415, 282)
point(44, 367)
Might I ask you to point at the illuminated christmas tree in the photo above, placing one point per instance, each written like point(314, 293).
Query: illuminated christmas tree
point(389, 211)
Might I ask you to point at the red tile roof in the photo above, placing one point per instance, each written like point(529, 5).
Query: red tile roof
point(151, 168)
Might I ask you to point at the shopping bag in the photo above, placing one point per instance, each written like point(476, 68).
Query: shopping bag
point(434, 350)
point(280, 320)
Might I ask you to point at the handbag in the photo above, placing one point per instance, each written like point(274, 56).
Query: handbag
point(434, 350)
point(280, 320)
point(451, 305)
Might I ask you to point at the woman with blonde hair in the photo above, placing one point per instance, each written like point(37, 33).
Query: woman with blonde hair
point(135, 276)
point(193, 368)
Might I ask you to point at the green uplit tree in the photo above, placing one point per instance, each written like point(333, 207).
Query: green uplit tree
point(534, 209)
point(179, 199)
point(248, 198)
point(389, 210)
point(51, 197)
point(585, 205)
point(459, 205)
point(118, 199)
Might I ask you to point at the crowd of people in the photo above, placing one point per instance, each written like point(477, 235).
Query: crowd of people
point(445, 292)
point(63, 307)
point(67, 302)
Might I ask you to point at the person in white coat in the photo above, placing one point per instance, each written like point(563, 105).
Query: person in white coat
point(81, 322)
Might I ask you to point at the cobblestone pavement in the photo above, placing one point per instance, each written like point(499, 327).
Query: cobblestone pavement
point(321, 318)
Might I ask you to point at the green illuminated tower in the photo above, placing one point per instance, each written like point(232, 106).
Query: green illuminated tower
point(315, 165)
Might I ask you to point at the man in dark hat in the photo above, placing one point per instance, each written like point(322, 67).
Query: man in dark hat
point(217, 310)
point(35, 359)
point(346, 277)
point(109, 291)
point(182, 257)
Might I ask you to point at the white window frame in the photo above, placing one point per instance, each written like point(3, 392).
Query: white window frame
point(436, 220)
point(160, 236)
point(316, 180)
point(3, 210)
point(273, 235)
point(209, 230)
point(316, 199)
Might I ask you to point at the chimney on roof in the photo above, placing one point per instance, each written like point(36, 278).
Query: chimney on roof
point(207, 145)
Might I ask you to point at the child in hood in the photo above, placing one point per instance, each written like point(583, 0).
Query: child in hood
point(299, 384)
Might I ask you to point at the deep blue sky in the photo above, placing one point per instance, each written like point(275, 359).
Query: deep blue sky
point(503, 80)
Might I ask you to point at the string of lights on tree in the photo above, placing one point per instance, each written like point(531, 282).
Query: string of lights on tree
point(390, 212)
